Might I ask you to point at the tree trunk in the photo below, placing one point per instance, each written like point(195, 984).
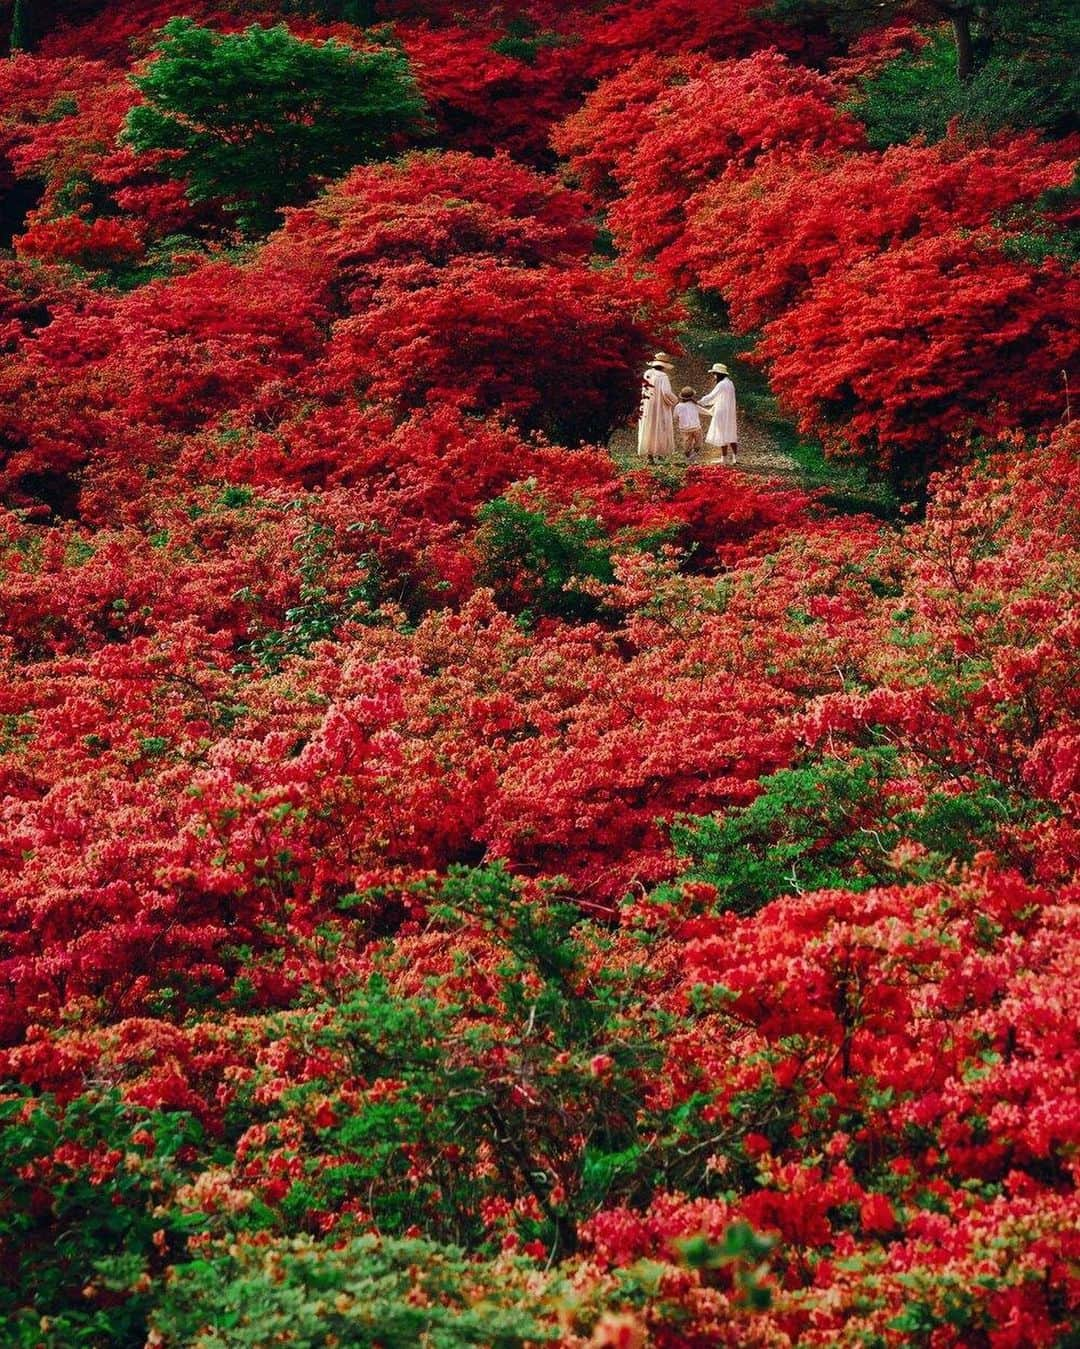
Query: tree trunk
point(32, 20)
point(21, 37)
point(965, 51)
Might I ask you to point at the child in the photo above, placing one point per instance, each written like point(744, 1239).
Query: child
point(688, 420)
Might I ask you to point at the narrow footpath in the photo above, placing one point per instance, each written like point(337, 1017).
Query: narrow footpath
point(758, 452)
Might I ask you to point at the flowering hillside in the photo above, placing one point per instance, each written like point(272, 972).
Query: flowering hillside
point(457, 886)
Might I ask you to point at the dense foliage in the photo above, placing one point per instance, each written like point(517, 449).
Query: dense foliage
point(255, 120)
point(458, 890)
point(992, 63)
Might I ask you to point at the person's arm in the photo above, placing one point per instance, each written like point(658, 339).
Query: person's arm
point(708, 400)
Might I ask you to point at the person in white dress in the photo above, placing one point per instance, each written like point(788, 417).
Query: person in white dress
point(723, 432)
point(656, 425)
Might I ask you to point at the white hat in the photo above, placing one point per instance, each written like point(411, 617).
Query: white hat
point(662, 358)
point(719, 369)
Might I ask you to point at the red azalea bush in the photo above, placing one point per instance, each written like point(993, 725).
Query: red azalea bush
point(119, 33)
point(599, 135)
point(429, 208)
point(909, 379)
point(232, 344)
point(763, 240)
point(116, 32)
point(463, 334)
point(481, 92)
point(173, 357)
point(920, 279)
point(505, 75)
point(725, 29)
point(719, 523)
point(99, 202)
point(250, 814)
point(779, 210)
point(722, 121)
point(94, 243)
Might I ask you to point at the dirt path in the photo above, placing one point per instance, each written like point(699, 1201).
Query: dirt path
point(757, 451)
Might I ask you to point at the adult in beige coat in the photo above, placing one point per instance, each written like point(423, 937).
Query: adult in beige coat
point(656, 426)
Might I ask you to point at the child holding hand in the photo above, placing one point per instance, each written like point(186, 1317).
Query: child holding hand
point(688, 421)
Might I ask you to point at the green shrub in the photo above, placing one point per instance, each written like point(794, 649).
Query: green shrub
point(1054, 232)
point(533, 554)
point(384, 1293)
point(79, 1210)
point(523, 41)
point(370, 1292)
point(260, 118)
point(835, 824)
point(799, 834)
point(545, 1072)
point(569, 1140)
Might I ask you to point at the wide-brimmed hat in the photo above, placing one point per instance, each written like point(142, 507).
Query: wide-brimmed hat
point(719, 369)
point(662, 358)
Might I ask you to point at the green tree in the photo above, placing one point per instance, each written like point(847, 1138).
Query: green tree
point(260, 118)
point(834, 823)
point(1026, 76)
point(981, 31)
point(534, 556)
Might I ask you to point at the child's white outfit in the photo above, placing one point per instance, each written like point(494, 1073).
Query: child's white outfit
point(688, 420)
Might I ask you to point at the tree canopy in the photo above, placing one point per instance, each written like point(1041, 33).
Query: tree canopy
point(256, 120)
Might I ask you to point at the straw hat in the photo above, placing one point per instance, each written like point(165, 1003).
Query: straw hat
point(719, 369)
point(662, 358)
point(686, 393)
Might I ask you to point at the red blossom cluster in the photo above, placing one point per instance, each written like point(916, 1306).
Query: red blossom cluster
point(656, 894)
point(218, 816)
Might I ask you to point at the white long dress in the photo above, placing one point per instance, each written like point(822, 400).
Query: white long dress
point(724, 427)
point(656, 428)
